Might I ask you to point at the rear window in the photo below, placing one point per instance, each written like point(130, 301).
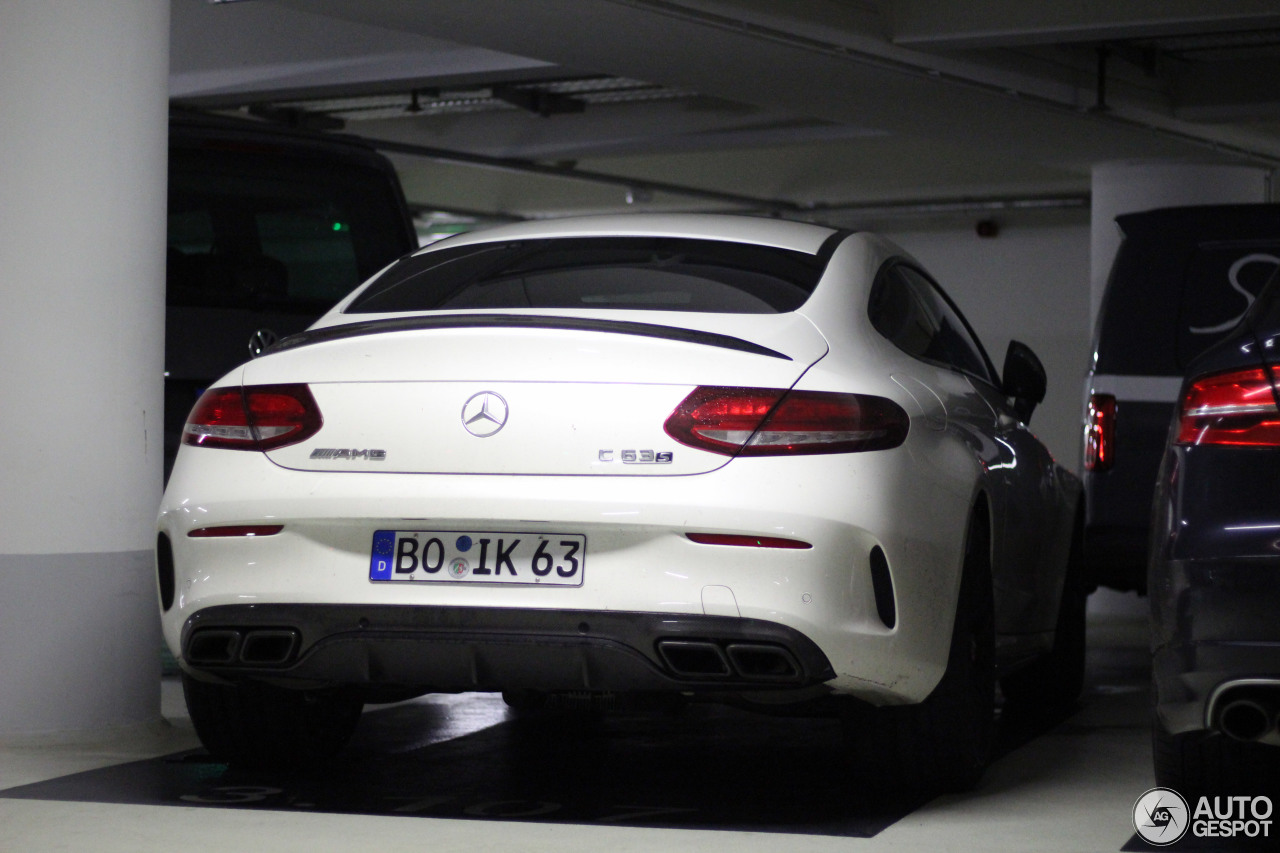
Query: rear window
point(1222, 282)
point(622, 273)
point(262, 230)
point(1182, 279)
point(1163, 308)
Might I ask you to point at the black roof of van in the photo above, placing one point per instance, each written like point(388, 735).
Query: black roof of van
point(188, 122)
point(1203, 222)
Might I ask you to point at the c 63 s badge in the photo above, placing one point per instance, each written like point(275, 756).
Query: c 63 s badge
point(637, 457)
point(348, 453)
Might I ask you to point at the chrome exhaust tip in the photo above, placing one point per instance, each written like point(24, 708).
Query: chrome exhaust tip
point(1245, 720)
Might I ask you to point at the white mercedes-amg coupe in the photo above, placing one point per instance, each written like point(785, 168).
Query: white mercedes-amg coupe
point(724, 458)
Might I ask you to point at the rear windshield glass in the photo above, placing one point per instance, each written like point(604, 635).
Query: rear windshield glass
point(262, 230)
point(631, 273)
point(1163, 308)
point(1223, 280)
point(1181, 281)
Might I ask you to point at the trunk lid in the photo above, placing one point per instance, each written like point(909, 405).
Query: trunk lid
point(513, 394)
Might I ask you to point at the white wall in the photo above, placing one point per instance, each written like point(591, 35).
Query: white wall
point(1030, 283)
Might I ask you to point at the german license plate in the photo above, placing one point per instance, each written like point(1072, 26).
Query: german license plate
point(455, 556)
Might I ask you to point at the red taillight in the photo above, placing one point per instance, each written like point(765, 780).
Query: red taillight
point(774, 422)
point(740, 541)
point(1100, 433)
point(256, 417)
point(1238, 407)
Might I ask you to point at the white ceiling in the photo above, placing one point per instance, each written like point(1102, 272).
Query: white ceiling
point(847, 111)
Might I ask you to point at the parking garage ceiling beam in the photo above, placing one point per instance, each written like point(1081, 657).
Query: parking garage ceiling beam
point(225, 57)
point(1005, 23)
point(772, 66)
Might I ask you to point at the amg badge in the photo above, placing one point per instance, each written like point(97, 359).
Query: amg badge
point(344, 453)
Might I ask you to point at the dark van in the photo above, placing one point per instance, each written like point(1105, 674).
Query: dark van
point(1181, 281)
point(267, 228)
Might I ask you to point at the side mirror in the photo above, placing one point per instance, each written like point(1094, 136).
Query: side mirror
point(261, 341)
point(1023, 379)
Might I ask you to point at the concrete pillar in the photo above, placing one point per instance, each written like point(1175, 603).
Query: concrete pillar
point(1130, 187)
point(83, 152)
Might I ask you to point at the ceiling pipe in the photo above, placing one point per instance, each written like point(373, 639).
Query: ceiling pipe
point(1100, 102)
point(932, 207)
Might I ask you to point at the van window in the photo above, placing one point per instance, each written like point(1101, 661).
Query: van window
point(262, 231)
point(1221, 282)
point(1183, 276)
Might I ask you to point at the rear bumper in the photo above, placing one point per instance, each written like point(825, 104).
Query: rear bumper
point(452, 649)
point(1215, 634)
point(638, 558)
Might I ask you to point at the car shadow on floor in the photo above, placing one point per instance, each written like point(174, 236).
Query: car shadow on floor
point(695, 767)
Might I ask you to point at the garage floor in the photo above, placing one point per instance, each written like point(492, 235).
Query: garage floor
point(461, 773)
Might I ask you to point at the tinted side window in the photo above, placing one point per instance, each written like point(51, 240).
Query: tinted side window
point(259, 231)
point(898, 312)
point(1136, 323)
point(912, 312)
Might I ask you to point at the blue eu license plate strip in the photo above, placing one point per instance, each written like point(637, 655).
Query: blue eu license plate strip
point(457, 556)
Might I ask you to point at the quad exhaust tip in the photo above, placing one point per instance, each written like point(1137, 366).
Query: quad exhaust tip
point(730, 661)
point(253, 647)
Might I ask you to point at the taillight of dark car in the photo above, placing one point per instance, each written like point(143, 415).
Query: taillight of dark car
point(775, 422)
point(256, 417)
point(1236, 408)
point(1100, 433)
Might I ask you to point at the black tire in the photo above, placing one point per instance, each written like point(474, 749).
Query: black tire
point(1055, 680)
point(252, 724)
point(1200, 763)
point(524, 701)
point(943, 743)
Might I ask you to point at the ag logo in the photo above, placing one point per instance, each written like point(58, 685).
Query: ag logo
point(1161, 816)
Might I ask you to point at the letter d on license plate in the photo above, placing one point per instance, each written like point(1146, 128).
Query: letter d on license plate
point(465, 556)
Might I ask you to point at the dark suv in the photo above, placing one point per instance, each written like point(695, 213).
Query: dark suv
point(1215, 570)
point(1181, 281)
point(267, 229)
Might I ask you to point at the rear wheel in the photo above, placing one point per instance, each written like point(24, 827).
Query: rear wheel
point(261, 725)
point(524, 701)
point(1055, 680)
point(945, 741)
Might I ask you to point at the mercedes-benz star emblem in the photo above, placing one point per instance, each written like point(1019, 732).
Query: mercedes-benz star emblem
point(484, 414)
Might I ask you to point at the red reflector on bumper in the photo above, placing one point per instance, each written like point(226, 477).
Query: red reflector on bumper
point(747, 541)
point(236, 530)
